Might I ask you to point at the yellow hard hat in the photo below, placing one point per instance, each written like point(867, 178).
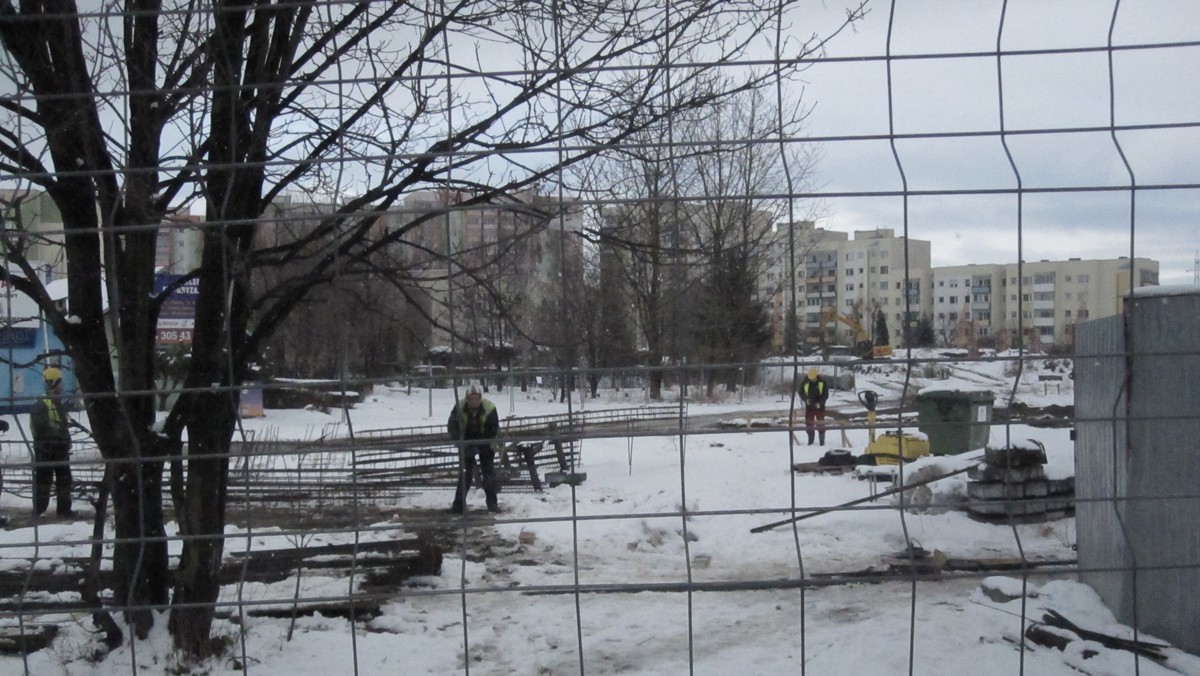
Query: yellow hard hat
point(813, 373)
point(51, 375)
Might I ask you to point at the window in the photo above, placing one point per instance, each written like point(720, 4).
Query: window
point(883, 286)
point(1083, 314)
point(1082, 279)
point(954, 300)
point(1067, 314)
point(1067, 296)
point(897, 285)
point(1025, 280)
point(1024, 298)
point(1068, 278)
point(849, 272)
point(941, 282)
point(849, 287)
point(1012, 296)
point(1044, 295)
point(849, 257)
point(874, 270)
point(883, 269)
point(860, 255)
point(941, 299)
point(885, 300)
point(1083, 296)
point(1043, 314)
point(941, 315)
point(954, 284)
point(1044, 278)
point(953, 316)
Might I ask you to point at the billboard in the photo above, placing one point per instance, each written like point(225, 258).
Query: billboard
point(177, 318)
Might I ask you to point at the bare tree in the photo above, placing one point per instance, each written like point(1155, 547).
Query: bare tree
point(696, 212)
point(123, 118)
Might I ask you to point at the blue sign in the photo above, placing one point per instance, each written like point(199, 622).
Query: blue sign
point(17, 337)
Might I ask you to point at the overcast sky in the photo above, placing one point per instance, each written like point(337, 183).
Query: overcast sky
point(1062, 95)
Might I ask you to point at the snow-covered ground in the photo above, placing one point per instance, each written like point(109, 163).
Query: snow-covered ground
point(519, 609)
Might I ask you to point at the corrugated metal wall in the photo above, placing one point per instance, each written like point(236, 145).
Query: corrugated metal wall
point(1137, 398)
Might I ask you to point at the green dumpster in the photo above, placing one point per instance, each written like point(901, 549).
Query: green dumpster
point(955, 421)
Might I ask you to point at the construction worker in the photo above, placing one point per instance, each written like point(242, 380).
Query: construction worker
point(51, 447)
point(474, 426)
point(814, 391)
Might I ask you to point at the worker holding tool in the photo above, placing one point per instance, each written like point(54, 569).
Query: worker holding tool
point(814, 391)
point(51, 447)
point(474, 425)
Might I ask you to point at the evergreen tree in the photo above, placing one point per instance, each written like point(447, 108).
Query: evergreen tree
point(882, 335)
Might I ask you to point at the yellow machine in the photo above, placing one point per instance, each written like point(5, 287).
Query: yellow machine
point(863, 346)
point(893, 447)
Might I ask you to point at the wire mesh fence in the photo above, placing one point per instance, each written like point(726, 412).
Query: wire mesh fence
point(815, 338)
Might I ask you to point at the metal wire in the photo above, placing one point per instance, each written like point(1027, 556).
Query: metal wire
point(371, 469)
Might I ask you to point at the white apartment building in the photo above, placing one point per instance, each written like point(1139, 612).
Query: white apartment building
point(819, 276)
point(1043, 300)
point(967, 305)
point(530, 274)
point(966, 298)
point(858, 277)
point(774, 287)
point(876, 275)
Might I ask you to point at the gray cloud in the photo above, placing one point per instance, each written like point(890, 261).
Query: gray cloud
point(1061, 95)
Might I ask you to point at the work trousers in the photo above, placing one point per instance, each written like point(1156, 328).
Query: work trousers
point(814, 420)
point(487, 473)
point(52, 470)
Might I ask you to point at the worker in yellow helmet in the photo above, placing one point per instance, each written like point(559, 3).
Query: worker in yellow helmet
point(474, 426)
point(814, 391)
point(51, 447)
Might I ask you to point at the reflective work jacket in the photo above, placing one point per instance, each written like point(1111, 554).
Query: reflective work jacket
point(482, 424)
point(48, 424)
point(814, 391)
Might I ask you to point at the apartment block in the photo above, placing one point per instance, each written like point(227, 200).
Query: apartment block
point(967, 302)
point(34, 214)
point(1044, 300)
point(967, 305)
point(882, 272)
point(532, 243)
point(993, 304)
point(875, 271)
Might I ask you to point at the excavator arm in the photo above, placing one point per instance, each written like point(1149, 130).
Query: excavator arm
point(863, 345)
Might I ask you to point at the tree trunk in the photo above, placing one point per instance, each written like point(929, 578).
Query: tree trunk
point(141, 548)
point(201, 519)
